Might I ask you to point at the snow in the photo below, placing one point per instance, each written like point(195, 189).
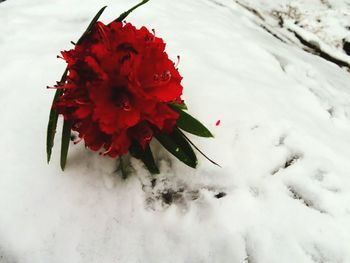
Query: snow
point(283, 143)
point(327, 19)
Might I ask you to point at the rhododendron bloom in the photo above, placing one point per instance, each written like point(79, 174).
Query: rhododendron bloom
point(119, 84)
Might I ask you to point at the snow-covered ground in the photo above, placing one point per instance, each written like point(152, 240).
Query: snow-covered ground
point(327, 19)
point(283, 142)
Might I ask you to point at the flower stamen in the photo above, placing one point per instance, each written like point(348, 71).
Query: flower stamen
point(104, 36)
point(177, 62)
point(123, 101)
point(81, 102)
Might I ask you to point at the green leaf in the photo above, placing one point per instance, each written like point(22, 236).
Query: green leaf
point(181, 106)
point(145, 155)
point(53, 118)
point(66, 132)
point(177, 145)
point(51, 130)
point(92, 23)
point(188, 123)
point(194, 146)
point(125, 14)
point(123, 163)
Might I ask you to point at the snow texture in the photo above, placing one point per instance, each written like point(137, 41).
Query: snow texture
point(283, 192)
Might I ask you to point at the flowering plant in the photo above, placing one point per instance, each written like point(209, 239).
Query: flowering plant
point(118, 92)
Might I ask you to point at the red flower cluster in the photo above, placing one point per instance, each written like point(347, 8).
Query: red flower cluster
point(119, 84)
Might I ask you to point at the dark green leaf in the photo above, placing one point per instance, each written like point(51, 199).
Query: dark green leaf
point(66, 132)
point(181, 106)
point(125, 14)
point(92, 23)
point(177, 145)
point(144, 155)
point(188, 123)
point(53, 118)
point(123, 163)
point(51, 130)
point(194, 146)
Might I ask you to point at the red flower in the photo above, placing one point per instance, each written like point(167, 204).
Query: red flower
point(119, 84)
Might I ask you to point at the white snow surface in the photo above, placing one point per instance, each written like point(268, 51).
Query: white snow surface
point(327, 19)
point(283, 144)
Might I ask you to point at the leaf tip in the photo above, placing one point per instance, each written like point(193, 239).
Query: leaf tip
point(156, 171)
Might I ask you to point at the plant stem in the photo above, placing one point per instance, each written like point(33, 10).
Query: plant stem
point(122, 167)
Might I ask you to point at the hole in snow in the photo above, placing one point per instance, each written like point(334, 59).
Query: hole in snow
point(220, 195)
point(292, 159)
point(161, 193)
point(319, 175)
point(331, 111)
point(281, 140)
point(168, 197)
point(217, 3)
point(346, 46)
point(153, 182)
point(297, 195)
